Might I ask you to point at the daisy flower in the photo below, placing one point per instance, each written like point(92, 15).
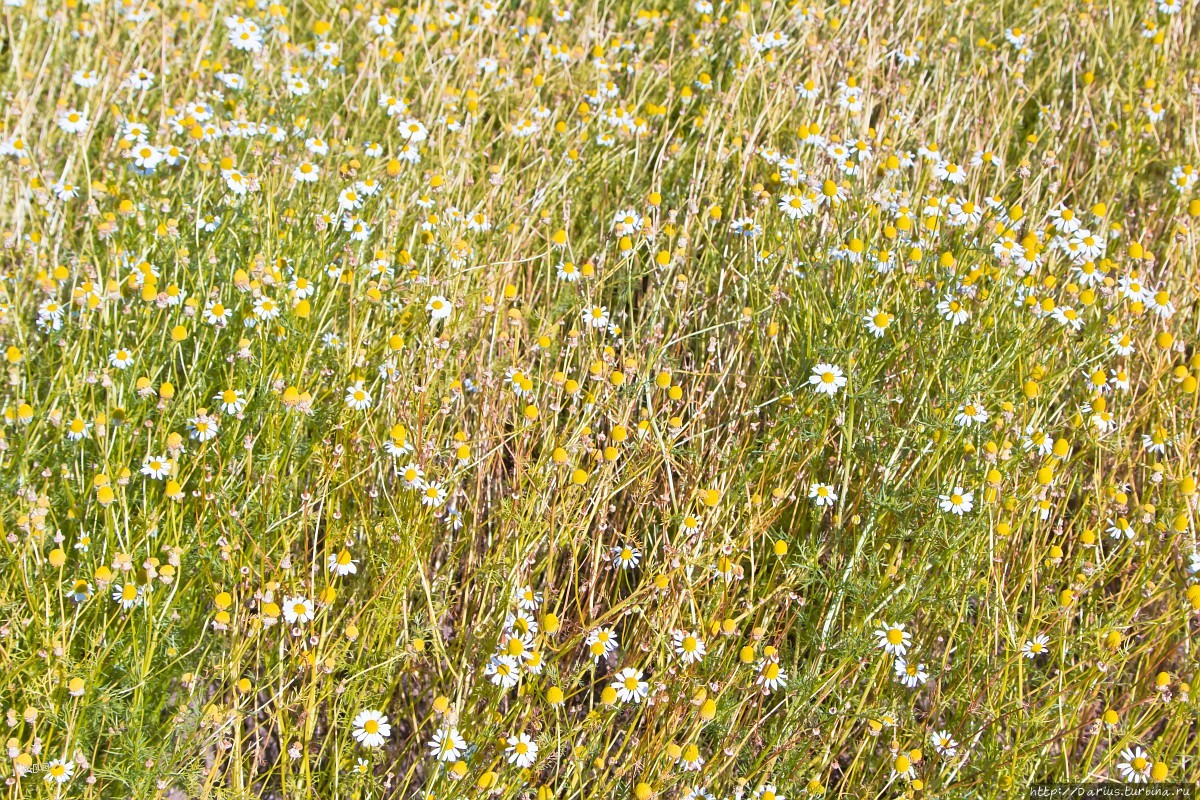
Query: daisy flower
point(156, 467)
point(893, 639)
point(690, 759)
point(771, 676)
point(596, 317)
point(357, 397)
point(767, 791)
point(1134, 765)
point(413, 131)
point(120, 359)
point(342, 563)
point(689, 647)
point(827, 379)
point(943, 743)
point(878, 322)
point(371, 728)
point(447, 744)
point(78, 429)
point(527, 599)
point(127, 595)
point(952, 310)
point(412, 476)
point(822, 495)
point(1036, 646)
point(1120, 528)
point(433, 494)
point(971, 413)
point(231, 401)
point(957, 502)
point(950, 172)
point(521, 751)
point(503, 670)
point(626, 557)
point(601, 641)
point(59, 771)
point(297, 610)
point(217, 313)
point(629, 686)
point(203, 428)
point(72, 121)
point(911, 674)
point(438, 308)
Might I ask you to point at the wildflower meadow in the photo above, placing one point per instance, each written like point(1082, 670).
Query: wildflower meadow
point(678, 399)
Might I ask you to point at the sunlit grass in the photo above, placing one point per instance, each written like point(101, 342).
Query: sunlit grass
point(607, 400)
